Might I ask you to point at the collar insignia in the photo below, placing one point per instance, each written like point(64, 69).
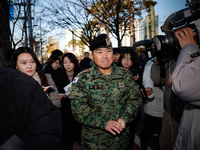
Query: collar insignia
point(121, 85)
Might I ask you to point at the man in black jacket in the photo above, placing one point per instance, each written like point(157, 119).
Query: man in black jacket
point(85, 63)
point(26, 111)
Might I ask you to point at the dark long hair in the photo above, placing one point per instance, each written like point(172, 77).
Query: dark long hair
point(134, 69)
point(51, 60)
point(134, 57)
point(39, 70)
point(74, 60)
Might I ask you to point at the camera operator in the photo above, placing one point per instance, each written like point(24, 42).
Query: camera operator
point(173, 107)
point(186, 85)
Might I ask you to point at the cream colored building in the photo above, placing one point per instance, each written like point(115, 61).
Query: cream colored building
point(73, 48)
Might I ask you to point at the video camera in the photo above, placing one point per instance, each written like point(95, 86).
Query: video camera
point(162, 44)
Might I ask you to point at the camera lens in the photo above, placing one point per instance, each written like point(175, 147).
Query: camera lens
point(167, 42)
point(159, 41)
point(171, 41)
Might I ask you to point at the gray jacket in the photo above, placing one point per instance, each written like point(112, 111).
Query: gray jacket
point(186, 85)
point(53, 94)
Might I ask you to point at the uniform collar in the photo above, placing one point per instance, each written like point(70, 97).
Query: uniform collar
point(116, 72)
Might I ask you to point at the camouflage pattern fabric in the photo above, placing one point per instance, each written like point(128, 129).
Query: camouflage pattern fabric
point(97, 98)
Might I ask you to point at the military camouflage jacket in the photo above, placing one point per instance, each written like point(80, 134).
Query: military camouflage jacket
point(97, 98)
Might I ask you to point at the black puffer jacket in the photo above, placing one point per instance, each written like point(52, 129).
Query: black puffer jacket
point(26, 111)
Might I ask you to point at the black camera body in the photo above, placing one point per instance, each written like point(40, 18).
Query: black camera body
point(162, 44)
point(169, 41)
point(182, 17)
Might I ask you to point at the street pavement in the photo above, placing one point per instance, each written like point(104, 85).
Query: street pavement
point(76, 146)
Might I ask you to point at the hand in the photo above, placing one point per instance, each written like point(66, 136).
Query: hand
point(136, 77)
point(141, 90)
point(113, 126)
point(170, 79)
point(185, 36)
point(45, 89)
point(123, 123)
point(148, 90)
point(61, 96)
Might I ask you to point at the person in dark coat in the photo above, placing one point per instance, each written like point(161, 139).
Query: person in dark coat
point(116, 55)
point(26, 111)
point(129, 60)
point(56, 52)
point(71, 128)
point(8, 57)
point(85, 63)
point(53, 67)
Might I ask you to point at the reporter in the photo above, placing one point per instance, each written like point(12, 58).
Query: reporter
point(153, 104)
point(129, 60)
point(185, 79)
point(71, 128)
point(186, 85)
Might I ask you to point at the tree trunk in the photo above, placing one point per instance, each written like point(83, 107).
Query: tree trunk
point(131, 20)
point(5, 31)
point(149, 16)
point(118, 31)
point(107, 26)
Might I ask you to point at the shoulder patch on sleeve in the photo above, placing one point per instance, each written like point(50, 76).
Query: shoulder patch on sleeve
point(75, 80)
point(84, 71)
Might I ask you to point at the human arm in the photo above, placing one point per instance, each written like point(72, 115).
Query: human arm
point(147, 81)
point(95, 115)
point(116, 126)
point(136, 77)
point(185, 78)
point(133, 103)
point(45, 89)
point(83, 109)
point(27, 112)
point(53, 92)
point(43, 123)
point(35, 119)
point(186, 36)
point(170, 80)
point(61, 95)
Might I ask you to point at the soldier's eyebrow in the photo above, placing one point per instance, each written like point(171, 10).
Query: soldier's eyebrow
point(109, 49)
point(99, 49)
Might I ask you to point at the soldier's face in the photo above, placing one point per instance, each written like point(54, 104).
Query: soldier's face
point(103, 57)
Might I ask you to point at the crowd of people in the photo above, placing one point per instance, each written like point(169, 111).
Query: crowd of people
point(98, 102)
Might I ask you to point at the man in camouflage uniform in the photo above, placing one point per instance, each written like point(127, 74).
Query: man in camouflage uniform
point(104, 99)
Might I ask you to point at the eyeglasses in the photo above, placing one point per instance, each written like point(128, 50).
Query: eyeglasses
point(126, 58)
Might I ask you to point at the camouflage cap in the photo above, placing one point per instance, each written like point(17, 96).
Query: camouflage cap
point(102, 41)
